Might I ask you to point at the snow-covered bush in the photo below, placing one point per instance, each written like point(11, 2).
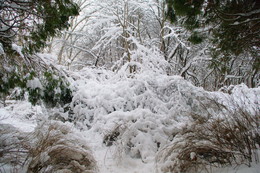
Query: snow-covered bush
point(139, 114)
point(160, 94)
point(145, 112)
point(231, 137)
point(55, 90)
point(9, 79)
point(139, 133)
point(47, 87)
point(36, 75)
point(56, 148)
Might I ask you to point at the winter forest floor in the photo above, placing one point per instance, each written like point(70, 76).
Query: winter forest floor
point(129, 124)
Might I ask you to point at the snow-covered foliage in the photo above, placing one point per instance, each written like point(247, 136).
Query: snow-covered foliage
point(144, 112)
point(114, 34)
point(147, 116)
point(131, 93)
point(157, 93)
point(34, 83)
point(141, 115)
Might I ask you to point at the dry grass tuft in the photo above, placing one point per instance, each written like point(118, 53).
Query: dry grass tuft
point(58, 150)
point(229, 138)
point(14, 147)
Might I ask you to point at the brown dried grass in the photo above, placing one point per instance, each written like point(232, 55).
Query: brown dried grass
point(214, 141)
point(58, 150)
point(14, 147)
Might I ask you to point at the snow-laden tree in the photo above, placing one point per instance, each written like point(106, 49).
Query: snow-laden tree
point(109, 33)
point(70, 39)
point(112, 34)
point(126, 34)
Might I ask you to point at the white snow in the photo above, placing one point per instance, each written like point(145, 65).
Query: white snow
point(1, 49)
point(192, 155)
point(18, 49)
point(20, 114)
point(34, 84)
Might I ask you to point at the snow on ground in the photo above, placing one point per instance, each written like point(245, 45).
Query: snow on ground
point(20, 114)
point(126, 119)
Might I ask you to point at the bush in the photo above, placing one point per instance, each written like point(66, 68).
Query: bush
point(14, 147)
point(231, 137)
point(57, 149)
point(51, 148)
point(55, 90)
point(49, 88)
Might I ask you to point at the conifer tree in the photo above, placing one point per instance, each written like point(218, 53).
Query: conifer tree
point(29, 24)
point(233, 25)
point(33, 22)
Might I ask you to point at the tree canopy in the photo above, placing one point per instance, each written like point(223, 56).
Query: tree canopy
point(33, 22)
point(235, 24)
point(25, 27)
point(233, 27)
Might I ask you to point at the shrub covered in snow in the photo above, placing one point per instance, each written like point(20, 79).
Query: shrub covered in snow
point(49, 88)
point(142, 114)
point(160, 94)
